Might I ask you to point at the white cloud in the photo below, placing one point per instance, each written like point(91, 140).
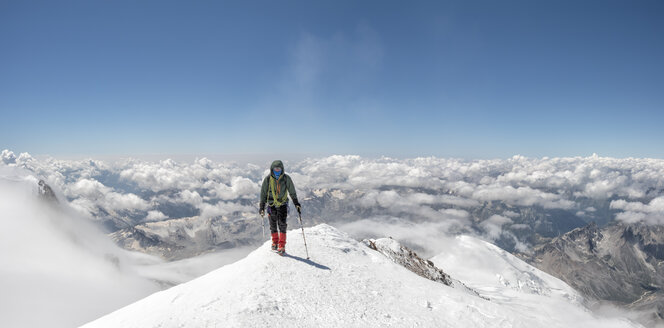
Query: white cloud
point(56, 269)
point(128, 201)
point(522, 196)
point(190, 197)
point(419, 186)
point(8, 157)
point(155, 216)
point(651, 213)
point(225, 209)
point(519, 226)
point(88, 188)
point(511, 214)
point(493, 226)
point(429, 238)
point(240, 187)
point(318, 61)
point(455, 212)
point(604, 188)
point(94, 193)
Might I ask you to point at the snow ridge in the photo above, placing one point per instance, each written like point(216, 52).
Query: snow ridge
point(344, 284)
point(406, 257)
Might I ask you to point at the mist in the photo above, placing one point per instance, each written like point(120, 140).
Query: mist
point(56, 268)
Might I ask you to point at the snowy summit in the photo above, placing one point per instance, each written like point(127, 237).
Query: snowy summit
point(346, 283)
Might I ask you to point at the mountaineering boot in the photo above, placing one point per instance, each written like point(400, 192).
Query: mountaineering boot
point(282, 243)
point(275, 240)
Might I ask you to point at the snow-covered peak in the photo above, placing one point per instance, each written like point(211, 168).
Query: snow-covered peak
point(493, 271)
point(344, 284)
point(510, 282)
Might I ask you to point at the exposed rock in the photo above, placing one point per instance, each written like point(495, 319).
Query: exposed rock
point(622, 264)
point(404, 256)
point(46, 192)
point(407, 258)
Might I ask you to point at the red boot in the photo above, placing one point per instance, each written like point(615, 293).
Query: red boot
point(275, 240)
point(282, 243)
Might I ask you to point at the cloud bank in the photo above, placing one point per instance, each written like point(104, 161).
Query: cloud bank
point(56, 268)
point(449, 193)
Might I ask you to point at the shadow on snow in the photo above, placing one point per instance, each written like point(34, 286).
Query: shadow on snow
point(307, 261)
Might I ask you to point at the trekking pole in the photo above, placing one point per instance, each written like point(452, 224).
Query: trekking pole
point(263, 225)
point(305, 239)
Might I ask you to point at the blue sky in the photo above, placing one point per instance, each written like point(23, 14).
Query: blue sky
point(470, 79)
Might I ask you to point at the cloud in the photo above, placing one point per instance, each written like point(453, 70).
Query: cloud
point(604, 188)
point(8, 157)
point(427, 238)
point(422, 198)
point(190, 197)
point(427, 188)
point(511, 214)
point(651, 213)
point(89, 194)
point(521, 196)
point(493, 226)
point(57, 269)
point(240, 187)
point(455, 213)
point(318, 59)
point(519, 226)
point(344, 61)
point(155, 216)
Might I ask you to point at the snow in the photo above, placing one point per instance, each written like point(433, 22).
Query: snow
point(388, 243)
point(344, 284)
point(508, 281)
point(485, 266)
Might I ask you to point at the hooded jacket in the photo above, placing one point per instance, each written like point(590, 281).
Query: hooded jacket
point(283, 187)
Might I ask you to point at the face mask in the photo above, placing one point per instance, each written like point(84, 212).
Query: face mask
point(277, 173)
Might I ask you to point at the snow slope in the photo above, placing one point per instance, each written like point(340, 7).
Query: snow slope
point(344, 284)
point(504, 278)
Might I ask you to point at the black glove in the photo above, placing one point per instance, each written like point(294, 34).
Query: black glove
point(262, 212)
point(298, 207)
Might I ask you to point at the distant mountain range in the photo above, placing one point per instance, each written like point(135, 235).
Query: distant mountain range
point(618, 263)
point(183, 237)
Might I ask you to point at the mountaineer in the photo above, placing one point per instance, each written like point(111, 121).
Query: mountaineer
point(274, 192)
